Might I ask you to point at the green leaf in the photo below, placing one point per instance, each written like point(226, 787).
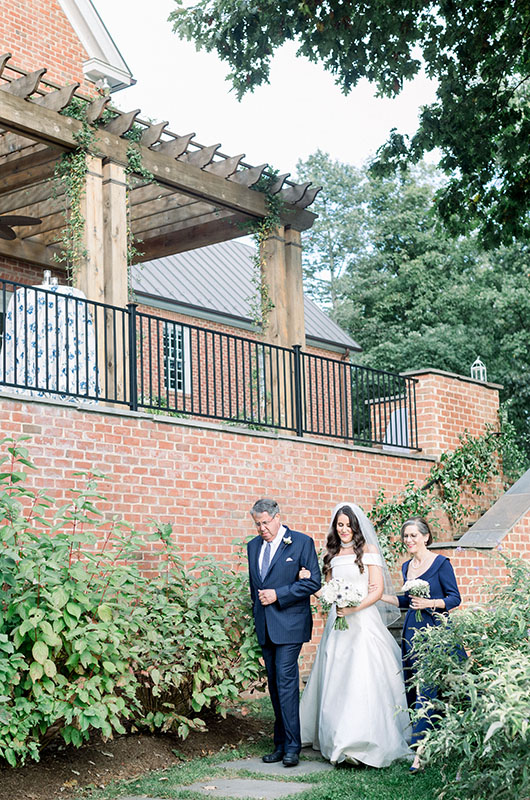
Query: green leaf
point(104, 613)
point(40, 651)
point(74, 609)
point(36, 671)
point(59, 598)
point(49, 668)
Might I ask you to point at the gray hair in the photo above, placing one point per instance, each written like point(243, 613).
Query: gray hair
point(421, 524)
point(265, 506)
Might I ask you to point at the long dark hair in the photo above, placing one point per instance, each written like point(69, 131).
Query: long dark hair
point(333, 541)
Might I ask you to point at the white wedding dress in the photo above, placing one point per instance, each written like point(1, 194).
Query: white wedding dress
point(354, 707)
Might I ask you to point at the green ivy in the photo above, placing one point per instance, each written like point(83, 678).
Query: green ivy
point(260, 303)
point(454, 485)
point(70, 172)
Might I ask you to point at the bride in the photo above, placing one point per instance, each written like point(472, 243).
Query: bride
point(353, 707)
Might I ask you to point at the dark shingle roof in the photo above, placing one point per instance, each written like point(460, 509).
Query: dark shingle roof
point(218, 279)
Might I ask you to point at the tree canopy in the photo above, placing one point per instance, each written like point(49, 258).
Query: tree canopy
point(412, 295)
point(477, 50)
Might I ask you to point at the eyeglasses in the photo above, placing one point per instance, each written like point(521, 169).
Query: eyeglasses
point(264, 523)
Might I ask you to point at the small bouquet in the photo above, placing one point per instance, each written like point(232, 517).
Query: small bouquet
point(339, 591)
point(417, 588)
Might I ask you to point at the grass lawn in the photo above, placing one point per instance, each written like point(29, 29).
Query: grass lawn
point(344, 783)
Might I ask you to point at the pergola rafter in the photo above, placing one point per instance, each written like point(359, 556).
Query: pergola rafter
point(197, 196)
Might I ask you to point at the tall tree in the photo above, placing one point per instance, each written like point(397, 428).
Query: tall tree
point(477, 50)
point(414, 297)
point(337, 234)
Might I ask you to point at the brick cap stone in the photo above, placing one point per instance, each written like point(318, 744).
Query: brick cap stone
point(454, 375)
point(498, 520)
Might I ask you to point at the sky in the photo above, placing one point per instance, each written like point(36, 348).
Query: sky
point(299, 111)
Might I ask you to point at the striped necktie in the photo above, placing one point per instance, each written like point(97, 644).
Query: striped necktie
point(266, 560)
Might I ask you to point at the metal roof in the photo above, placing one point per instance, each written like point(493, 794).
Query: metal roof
point(218, 279)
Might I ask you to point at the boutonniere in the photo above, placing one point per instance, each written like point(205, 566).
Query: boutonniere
point(287, 540)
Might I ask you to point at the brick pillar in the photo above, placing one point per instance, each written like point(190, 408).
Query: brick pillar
point(447, 405)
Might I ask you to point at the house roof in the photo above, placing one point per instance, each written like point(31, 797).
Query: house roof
point(105, 62)
point(217, 281)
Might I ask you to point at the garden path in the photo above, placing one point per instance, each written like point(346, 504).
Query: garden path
point(244, 786)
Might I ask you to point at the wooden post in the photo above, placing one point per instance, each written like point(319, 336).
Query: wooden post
point(116, 275)
point(273, 278)
point(90, 273)
point(294, 287)
point(281, 263)
point(115, 234)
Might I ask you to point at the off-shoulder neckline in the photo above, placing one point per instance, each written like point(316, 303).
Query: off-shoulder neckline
point(350, 555)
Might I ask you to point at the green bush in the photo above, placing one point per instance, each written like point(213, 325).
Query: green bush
point(482, 737)
point(198, 648)
point(87, 641)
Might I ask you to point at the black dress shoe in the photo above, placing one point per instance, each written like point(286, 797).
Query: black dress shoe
point(290, 760)
point(272, 758)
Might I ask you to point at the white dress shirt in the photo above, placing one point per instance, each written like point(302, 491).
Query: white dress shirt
point(276, 542)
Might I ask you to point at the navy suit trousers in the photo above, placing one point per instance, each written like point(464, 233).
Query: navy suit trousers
point(281, 662)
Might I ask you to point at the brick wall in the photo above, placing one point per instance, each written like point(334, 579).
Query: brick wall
point(22, 272)
point(200, 477)
point(474, 567)
point(450, 404)
point(38, 34)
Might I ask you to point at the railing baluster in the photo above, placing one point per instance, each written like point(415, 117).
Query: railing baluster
point(217, 375)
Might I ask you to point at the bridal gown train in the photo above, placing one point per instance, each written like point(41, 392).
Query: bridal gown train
point(354, 707)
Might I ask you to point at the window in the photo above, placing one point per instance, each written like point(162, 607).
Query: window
point(176, 368)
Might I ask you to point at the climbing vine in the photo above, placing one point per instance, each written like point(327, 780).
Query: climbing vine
point(70, 173)
point(457, 477)
point(260, 229)
point(134, 166)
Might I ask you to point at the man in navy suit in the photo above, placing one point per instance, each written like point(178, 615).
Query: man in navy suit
point(282, 615)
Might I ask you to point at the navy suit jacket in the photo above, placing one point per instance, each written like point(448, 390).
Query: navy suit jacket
point(289, 619)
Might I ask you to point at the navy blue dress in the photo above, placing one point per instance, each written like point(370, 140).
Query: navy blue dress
point(441, 578)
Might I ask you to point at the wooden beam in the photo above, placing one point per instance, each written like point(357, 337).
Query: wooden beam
point(44, 125)
point(52, 223)
point(192, 237)
point(28, 170)
point(33, 200)
point(170, 222)
point(27, 250)
point(160, 205)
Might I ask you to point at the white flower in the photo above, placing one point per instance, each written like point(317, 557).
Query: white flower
point(287, 540)
point(343, 594)
point(417, 588)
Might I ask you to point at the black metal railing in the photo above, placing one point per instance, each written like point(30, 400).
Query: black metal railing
point(54, 342)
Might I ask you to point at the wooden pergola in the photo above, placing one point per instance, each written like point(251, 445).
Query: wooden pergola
point(197, 196)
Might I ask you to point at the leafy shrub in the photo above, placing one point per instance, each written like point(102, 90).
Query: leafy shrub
point(482, 736)
point(87, 641)
point(199, 649)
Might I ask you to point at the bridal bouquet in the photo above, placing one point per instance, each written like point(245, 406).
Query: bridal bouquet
point(417, 588)
point(339, 591)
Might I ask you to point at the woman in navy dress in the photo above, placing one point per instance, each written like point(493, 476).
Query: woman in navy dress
point(444, 596)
